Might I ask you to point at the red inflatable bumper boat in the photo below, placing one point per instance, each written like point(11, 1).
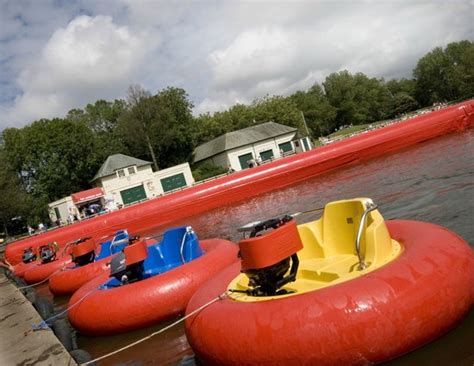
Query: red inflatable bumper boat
point(89, 261)
point(29, 258)
point(50, 260)
point(148, 283)
point(360, 291)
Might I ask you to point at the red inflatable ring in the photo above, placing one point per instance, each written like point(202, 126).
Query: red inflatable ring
point(20, 269)
point(377, 317)
point(149, 301)
point(41, 271)
point(72, 278)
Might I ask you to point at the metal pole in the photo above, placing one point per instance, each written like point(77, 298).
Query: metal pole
point(304, 121)
point(5, 231)
point(370, 207)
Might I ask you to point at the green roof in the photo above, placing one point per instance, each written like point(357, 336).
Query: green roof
point(116, 162)
point(235, 139)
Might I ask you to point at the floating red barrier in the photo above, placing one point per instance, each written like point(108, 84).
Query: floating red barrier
point(399, 307)
point(251, 182)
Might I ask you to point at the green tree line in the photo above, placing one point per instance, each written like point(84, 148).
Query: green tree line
point(52, 158)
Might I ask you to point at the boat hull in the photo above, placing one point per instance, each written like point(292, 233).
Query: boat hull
point(71, 279)
point(20, 269)
point(377, 317)
point(149, 301)
point(40, 271)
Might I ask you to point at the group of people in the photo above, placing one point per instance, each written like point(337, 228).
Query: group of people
point(41, 227)
point(254, 162)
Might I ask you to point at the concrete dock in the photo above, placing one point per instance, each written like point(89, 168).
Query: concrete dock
point(19, 345)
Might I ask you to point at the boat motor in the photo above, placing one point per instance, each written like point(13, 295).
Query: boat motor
point(29, 255)
point(127, 266)
point(83, 251)
point(269, 254)
point(47, 252)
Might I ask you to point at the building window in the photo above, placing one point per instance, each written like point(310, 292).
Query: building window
point(131, 170)
point(285, 147)
point(266, 155)
point(120, 173)
point(245, 160)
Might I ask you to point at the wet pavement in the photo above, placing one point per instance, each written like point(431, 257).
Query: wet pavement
point(19, 344)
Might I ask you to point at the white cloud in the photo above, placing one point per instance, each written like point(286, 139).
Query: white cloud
point(222, 53)
point(379, 39)
point(89, 59)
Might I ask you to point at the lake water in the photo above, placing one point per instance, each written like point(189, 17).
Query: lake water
point(432, 181)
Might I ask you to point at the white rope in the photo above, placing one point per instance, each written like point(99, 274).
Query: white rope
point(43, 281)
point(44, 323)
point(221, 296)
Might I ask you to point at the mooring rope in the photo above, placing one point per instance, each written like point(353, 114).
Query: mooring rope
point(221, 296)
point(44, 323)
point(46, 279)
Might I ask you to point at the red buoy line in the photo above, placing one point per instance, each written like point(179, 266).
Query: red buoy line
point(262, 179)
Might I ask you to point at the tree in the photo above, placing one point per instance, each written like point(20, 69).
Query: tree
point(319, 114)
point(402, 103)
point(52, 157)
point(357, 98)
point(13, 198)
point(102, 119)
point(207, 127)
point(444, 75)
point(163, 123)
point(103, 116)
point(403, 85)
point(207, 170)
point(277, 109)
point(175, 137)
point(139, 122)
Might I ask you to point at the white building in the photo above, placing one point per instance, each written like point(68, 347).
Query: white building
point(120, 181)
point(125, 179)
point(262, 142)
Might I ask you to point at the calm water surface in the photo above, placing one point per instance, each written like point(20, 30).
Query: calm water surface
point(433, 181)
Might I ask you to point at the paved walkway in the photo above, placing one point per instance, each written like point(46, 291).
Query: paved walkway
point(18, 345)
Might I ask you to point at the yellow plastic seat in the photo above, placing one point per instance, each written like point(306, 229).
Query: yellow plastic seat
point(329, 254)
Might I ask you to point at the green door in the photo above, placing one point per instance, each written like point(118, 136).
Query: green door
point(305, 143)
point(266, 155)
point(173, 182)
point(56, 211)
point(133, 194)
point(243, 159)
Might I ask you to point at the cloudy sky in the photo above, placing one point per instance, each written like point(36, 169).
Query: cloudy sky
point(56, 55)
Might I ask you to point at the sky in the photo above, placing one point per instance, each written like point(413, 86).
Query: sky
point(56, 55)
